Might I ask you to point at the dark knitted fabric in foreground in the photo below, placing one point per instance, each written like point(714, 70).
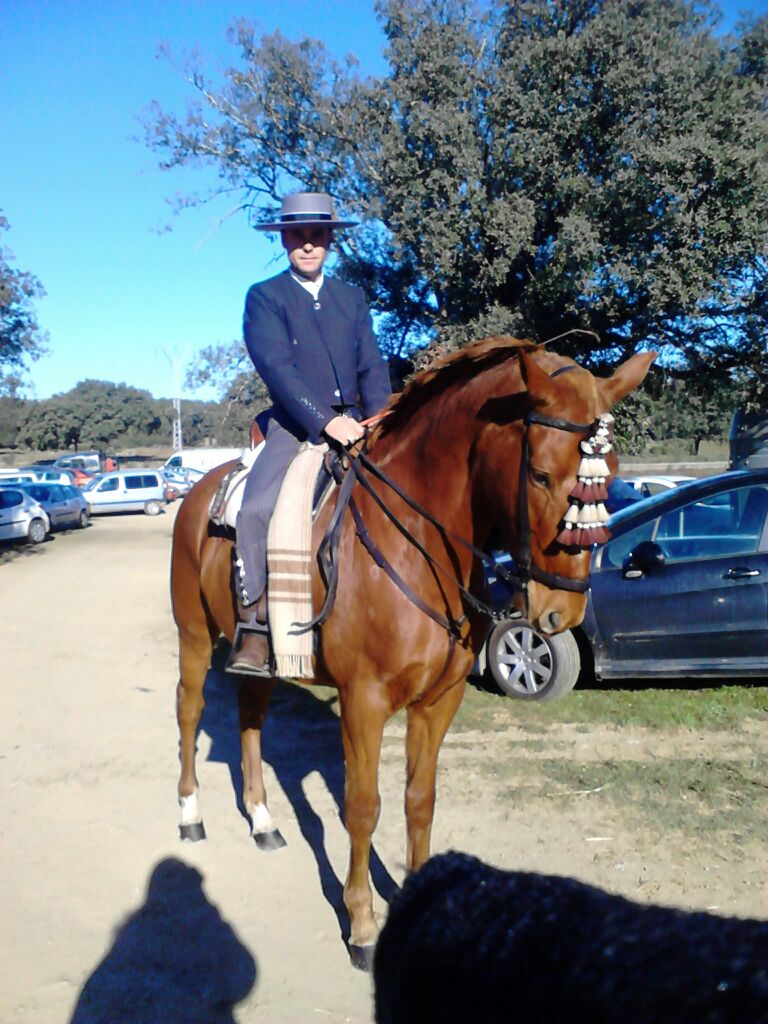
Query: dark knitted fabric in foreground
point(467, 942)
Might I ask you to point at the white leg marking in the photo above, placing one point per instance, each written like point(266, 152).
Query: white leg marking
point(262, 820)
point(190, 809)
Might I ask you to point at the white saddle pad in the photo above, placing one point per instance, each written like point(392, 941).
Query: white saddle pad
point(234, 495)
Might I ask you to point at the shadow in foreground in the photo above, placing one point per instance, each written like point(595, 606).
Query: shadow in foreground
point(175, 960)
point(301, 735)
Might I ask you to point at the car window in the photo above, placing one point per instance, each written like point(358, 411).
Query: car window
point(10, 499)
point(138, 481)
point(110, 484)
point(725, 524)
point(654, 487)
point(617, 550)
point(40, 492)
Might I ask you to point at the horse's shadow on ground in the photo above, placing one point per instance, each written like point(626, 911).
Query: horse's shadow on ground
point(174, 960)
point(301, 735)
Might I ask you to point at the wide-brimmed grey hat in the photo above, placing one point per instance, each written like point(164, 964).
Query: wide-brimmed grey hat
point(305, 209)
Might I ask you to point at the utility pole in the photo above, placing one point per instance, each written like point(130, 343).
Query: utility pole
point(178, 438)
point(176, 362)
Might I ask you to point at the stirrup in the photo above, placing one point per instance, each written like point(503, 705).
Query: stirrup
point(265, 671)
point(252, 626)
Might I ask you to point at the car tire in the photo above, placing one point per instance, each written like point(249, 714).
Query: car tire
point(529, 665)
point(36, 532)
point(153, 507)
point(83, 519)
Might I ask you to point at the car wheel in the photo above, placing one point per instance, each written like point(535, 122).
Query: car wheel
point(530, 665)
point(36, 532)
point(153, 507)
point(83, 518)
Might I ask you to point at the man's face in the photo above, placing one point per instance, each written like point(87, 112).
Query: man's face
point(307, 248)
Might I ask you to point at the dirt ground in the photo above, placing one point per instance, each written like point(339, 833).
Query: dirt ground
point(109, 917)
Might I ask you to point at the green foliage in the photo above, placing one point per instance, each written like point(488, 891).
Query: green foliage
point(93, 413)
point(532, 167)
point(674, 405)
point(11, 411)
point(243, 393)
point(100, 414)
point(21, 339)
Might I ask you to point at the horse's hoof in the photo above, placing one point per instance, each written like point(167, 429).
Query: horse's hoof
point(361, 957)
point(269, 840)
point(193, 833)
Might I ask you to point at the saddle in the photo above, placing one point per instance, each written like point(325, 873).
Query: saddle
point(228, 498)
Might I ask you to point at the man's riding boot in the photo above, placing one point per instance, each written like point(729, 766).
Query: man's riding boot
point(251, 650)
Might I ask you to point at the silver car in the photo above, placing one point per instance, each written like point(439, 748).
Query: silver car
point(64, 503)
point(21, 517)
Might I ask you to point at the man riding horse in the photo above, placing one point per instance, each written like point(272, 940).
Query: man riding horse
point(311, 340)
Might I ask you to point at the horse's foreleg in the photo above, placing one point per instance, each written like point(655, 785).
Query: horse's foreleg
point(195, 649)
point(362, 725)
point(253, 700)
point(427, 725)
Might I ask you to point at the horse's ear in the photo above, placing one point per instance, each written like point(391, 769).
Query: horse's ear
point(537, 381)
point(625, 378)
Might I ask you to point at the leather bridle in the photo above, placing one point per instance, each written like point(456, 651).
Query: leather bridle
point(358, 470)
point(527, 568)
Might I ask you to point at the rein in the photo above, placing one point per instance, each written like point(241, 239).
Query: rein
point(328, 549)
point(526, 569)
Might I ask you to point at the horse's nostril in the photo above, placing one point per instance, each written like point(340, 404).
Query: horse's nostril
point(554, 621)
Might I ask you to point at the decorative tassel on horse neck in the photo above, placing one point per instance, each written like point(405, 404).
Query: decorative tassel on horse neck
point(584, 522)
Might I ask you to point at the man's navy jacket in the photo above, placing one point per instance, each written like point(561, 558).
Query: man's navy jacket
point(315, 357)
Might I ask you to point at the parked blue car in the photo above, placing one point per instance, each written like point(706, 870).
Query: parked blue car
point(681, 589)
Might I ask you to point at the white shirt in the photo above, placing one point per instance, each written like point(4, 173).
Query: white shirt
point(313, 287)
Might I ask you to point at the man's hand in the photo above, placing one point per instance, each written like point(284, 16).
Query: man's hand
point(344, 429)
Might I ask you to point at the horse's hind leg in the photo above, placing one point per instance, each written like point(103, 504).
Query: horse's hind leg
point(427, 726)
point(195, 650)
point(253, 700)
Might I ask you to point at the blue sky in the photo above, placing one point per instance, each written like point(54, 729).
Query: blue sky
point(84, 199)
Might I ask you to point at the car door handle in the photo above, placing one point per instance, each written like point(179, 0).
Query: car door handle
point(740, 573)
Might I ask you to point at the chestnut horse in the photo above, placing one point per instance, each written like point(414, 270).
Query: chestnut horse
point(451, 442)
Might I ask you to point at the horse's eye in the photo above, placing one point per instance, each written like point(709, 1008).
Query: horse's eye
point(539, 478)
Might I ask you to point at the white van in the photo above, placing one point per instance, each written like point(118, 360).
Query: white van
point(201, 459)
point(126, 490)
point(17, 476)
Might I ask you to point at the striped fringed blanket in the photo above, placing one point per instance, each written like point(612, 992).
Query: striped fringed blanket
point(289, 554)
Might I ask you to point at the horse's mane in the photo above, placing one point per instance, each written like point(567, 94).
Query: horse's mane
point(446, 370)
